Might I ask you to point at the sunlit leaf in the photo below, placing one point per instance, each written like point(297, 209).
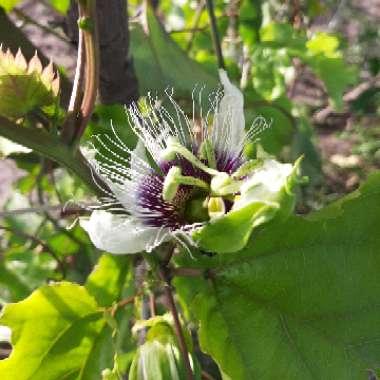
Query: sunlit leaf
point(57, 332)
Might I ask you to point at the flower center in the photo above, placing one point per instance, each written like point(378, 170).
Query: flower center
point(194, 188)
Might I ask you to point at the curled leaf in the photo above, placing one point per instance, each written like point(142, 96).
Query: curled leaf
point(25, 86)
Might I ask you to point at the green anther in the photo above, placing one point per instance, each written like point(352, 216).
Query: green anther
point(192, 181)
point(171, 185)
point(216, 207)
point(246, 168)
point(207, 152)
point(174, 147)
point(174, 178)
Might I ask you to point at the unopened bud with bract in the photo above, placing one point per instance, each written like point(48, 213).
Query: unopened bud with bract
point(25, 86)
point(160, 357)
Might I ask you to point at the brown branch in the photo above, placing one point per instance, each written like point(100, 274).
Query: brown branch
point(87, 14)
point(178, 327)
point(215, 34)
point(125, 302)
point(64, 211)
point(186, 272)
point(152, 304)
point(206, 376)
point(74, 117)
point(350, 96)
point(37, 241)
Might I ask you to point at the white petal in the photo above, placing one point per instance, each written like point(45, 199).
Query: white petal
point(265, 183)
point(120, 234)
point(228, 131)
point(139, 161)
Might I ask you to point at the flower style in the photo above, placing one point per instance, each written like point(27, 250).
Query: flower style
point(186, 180)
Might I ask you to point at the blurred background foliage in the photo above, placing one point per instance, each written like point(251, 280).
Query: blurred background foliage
point(311, 68)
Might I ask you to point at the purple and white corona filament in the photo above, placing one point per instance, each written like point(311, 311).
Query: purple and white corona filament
point(183, 175)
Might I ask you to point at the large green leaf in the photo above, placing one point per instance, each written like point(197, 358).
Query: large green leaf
point(301, 301)
point(160, 63)
point(57, 333)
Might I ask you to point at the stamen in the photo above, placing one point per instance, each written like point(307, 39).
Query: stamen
point(207, 152)
point(246, 168)
point(174, 178)
point(174, 147)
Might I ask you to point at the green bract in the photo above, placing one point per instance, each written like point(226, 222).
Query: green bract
point(25, 86)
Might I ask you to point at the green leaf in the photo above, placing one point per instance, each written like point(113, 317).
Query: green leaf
point(281, 35)
point(8, 5)
point(107, 280)
point(336, 75)
point(60, 5)
point(324, 43)
point(160, 63)
point(57, 333)
point(11, 286)
point(301, 301)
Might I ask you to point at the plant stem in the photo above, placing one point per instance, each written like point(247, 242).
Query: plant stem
point(161, 269)
point(178, 330)
point(73, 112)
point(215, 34)
point(52, 148)
point(87, 12)
point(186, 272)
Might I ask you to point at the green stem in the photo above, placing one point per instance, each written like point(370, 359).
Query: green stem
point(87, 11)
point(53, 149)
point(215, 34)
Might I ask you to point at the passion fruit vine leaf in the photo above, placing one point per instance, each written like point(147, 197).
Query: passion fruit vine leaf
point(57, 332)
point(60, 331)
point(301, 301)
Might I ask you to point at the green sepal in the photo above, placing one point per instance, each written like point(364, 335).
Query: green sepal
point(231, 232)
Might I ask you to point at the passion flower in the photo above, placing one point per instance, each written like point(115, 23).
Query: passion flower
point(186, 180)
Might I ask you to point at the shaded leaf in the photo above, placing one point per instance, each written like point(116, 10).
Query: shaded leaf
point(160, 63)
point(301, 301)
